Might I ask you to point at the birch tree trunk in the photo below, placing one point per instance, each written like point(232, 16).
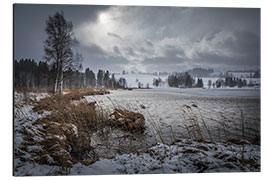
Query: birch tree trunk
point(61, 81)
point(56, 84)
point(57, 78)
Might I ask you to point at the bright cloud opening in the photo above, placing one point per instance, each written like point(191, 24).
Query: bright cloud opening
point(104, 18)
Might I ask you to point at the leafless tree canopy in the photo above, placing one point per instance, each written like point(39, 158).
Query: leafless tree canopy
point(60, 47)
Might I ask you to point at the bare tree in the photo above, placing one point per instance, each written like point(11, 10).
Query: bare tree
point(60, 47)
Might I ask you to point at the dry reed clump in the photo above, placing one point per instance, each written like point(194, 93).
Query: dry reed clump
point(195, 124)
point(61, 102)
point(51, 103)
point(65, 144)
point(127, 120)
point(57, 144)
point(66, 132)
point(77, 94)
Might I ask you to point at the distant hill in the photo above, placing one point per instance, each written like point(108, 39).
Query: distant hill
point(243, 74)
point(200, 72)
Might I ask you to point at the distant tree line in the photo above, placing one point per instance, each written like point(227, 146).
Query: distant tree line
point(231, 82)
point(252, 74)
point(30, 74)
point(185, 80)
point(181, 80)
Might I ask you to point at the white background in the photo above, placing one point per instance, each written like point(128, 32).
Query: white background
point(6, 70)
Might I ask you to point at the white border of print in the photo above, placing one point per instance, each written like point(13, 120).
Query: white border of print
point(6, 83)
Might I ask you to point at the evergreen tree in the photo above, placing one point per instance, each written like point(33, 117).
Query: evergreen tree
point(209, 83)
point(199, 83)
point(106, 79)
point(100, 78)
point(112, 82)
point(121, 83)
point(90, 78)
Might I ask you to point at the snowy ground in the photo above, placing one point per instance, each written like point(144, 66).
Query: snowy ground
point(167, 110)
point(182, 157)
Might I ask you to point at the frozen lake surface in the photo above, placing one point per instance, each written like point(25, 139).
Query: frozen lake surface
point(226, 111)
point(221, 92)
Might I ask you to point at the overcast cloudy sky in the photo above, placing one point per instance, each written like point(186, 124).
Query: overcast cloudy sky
point(148, 38)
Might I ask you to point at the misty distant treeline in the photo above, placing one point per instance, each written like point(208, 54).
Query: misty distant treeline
point(232, 82)
point(185, 80)
point(200, 72)
point(30, 74)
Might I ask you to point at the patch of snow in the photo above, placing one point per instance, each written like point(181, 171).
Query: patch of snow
point(75, 130)
point(183, 157)
point(61, 137)
point(38, 96)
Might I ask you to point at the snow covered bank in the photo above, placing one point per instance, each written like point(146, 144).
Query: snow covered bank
point(182, 156)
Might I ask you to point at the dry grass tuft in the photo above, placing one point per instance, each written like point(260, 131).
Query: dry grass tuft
point(77, 94)
point(52, 103)
point(65, 134)
point(127, 120)
point(62, 102)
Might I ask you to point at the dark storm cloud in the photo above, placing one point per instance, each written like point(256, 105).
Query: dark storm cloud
point(160, 61)
point(130, 51)
point(93, 50)
point(171, 51)
point(29, 25)
point(216, 61)
point(114, 35)
point(100, 61)
point(116, 50)
point(172, 64)
point(246, 42)
point(148, 43)
point(244, 49)
point(148, 38)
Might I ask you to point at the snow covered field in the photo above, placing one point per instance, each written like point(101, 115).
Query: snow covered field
point(168, 112)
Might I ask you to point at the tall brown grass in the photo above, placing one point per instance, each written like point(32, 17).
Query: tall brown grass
point(67, 131)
